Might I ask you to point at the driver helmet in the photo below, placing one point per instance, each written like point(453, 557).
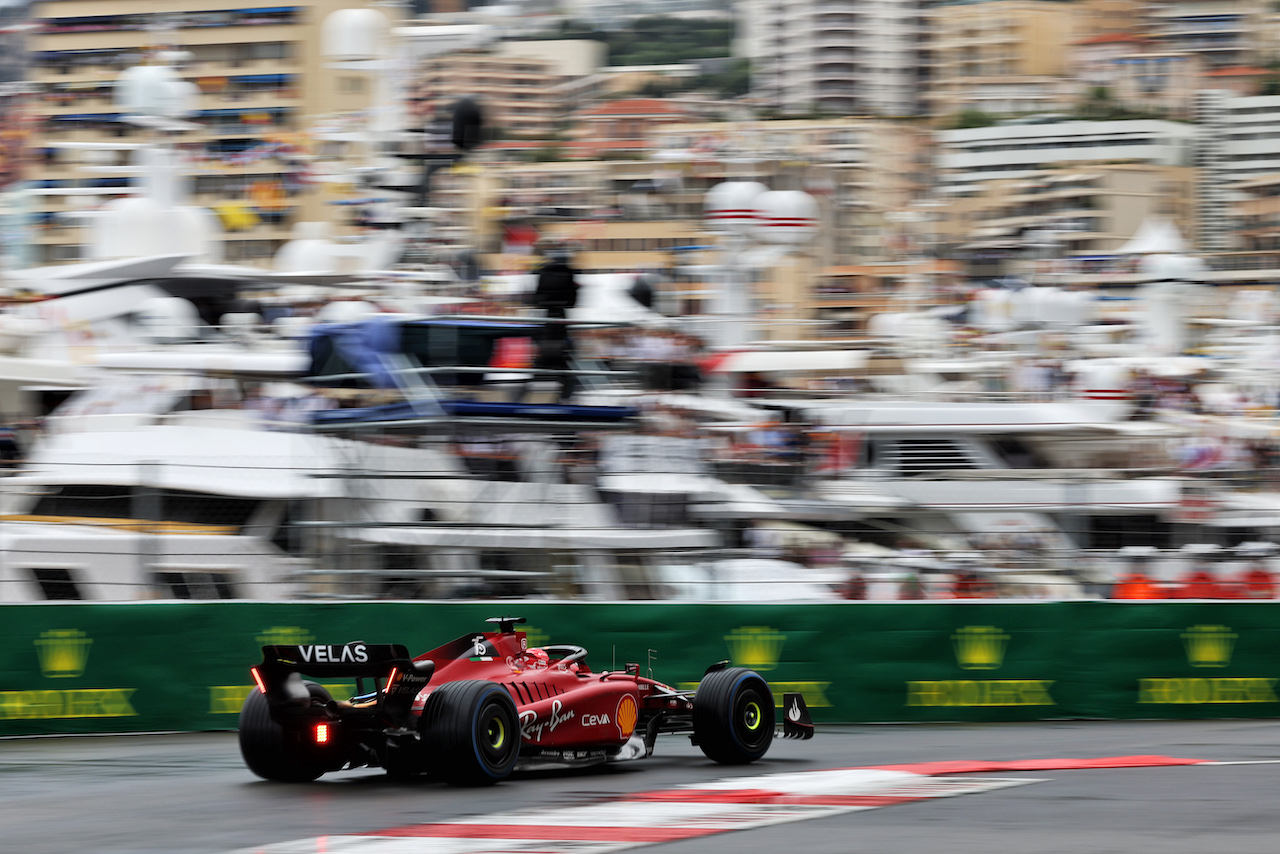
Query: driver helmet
point(538, 658)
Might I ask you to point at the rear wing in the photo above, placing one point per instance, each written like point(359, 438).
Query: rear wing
point(279, 676)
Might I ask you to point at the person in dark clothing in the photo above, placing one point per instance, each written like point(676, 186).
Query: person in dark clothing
point(555, 294)
point(557, 289)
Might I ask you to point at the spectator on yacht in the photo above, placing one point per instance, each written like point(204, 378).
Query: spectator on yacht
point(911, 587)
point(10, 448)
point(1257, 582)
point(1199, 583)
point(854, 587)
point(971, 585)
point(556, 292)
point(1135, 584)
point(754, 384)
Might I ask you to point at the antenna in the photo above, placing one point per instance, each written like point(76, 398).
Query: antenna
point(653, 656)
point(614, 666)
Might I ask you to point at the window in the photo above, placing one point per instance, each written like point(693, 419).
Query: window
point(186, 584)
point(351, 85)
point(56, 583)
point(124, 502)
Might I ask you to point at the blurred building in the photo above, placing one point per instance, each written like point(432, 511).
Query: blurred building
point(1071, 211)
point(528, 88)
point(1256, 213)
point(1225, 33)
point(623, 128)
point(1138, 76)
point(1102, 17)
point(1240, 141)
point(968, 157)
point(1003, 57)
point(853, 57)
point(262, 81)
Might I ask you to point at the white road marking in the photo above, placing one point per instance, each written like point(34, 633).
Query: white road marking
point(647, 818)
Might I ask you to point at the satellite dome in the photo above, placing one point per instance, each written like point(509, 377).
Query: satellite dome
point(350, 35)
point(730, 206)
point(154, 90)
point(167, 320)
point(786, 216)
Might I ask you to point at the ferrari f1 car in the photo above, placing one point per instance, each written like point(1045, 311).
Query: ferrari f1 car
point(474, 709)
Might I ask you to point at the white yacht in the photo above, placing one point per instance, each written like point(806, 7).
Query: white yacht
point(394, 474)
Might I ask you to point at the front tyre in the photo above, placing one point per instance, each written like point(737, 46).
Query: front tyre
point(267, 749)
point(471, 732)
point(733, 716)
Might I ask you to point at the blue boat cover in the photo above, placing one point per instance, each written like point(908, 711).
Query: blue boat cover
point(405, 410)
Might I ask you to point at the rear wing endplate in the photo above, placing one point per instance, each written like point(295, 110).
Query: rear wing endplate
point(796, 722)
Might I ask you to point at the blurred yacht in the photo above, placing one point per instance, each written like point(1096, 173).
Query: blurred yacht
point(391, 472)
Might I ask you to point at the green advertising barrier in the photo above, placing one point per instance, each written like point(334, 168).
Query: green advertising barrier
point(96, 667)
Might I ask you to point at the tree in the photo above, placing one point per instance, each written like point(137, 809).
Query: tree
point(973, 118)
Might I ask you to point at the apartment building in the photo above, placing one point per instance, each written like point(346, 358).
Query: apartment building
point(1139, 75)
point(1224, 33)
point(838, 57)
point(1101, 17)
point(527, 89)
point(1238, 144)
point(1257, 213)
point(261, 78)
point(622, 128)
point(1003, 57)
point(1075, 210)
point(968, 157)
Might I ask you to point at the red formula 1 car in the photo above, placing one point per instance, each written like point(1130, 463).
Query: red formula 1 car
point(473, 710)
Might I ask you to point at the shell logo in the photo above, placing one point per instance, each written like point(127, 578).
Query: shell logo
point(627, 715)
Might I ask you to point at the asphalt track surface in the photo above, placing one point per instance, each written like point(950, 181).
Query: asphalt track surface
point(190, 793)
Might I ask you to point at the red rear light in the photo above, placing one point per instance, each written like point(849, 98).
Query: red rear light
point(257, 677)
point(322, 733)
point(391, 680)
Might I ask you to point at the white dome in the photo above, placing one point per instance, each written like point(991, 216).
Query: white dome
point(195, 233)
point(730, 206)
point(162, 320)
point(183, 99)
point(130, 227)
point(154, 90)
point(786, 216)
point(355, 34)
point(306, 255)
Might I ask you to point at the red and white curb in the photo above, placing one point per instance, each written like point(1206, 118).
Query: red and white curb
point(647, 818)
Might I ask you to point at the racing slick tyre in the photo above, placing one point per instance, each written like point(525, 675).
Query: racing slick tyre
point(266, 749)
point(471, 732)
point(733, 716)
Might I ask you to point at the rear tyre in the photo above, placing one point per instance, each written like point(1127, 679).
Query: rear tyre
point(733, 716)
point(267, 750)
point(471, 732)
